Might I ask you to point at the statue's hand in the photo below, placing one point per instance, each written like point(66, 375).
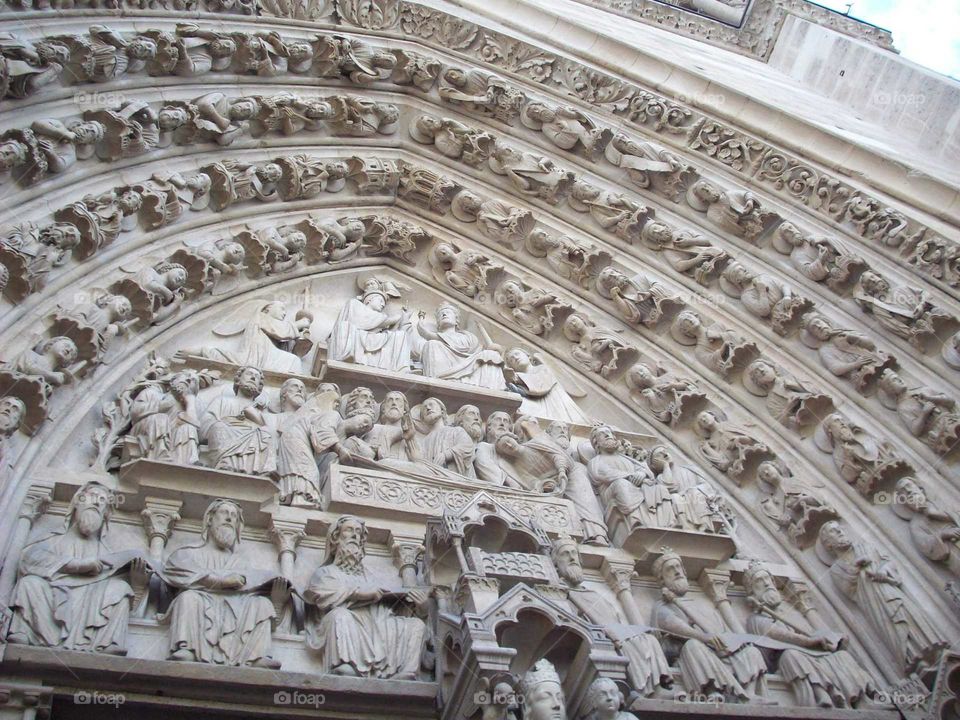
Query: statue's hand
point(280, 594)
point(716, 642)
point(950, 534)
point(232, 581)
point(418, 597)
point(139, 574)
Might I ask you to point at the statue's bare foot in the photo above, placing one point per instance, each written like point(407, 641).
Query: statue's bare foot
point(406, 676)
point(345, 669)
point(266, 662)
point(18, 639)
point(114, 650)
point(184, 655)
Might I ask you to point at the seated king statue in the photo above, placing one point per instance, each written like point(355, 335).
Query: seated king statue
point(69, 595)
point(361, 629)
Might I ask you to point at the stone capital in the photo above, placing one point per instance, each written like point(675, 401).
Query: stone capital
point(287, 535)
point(406, 550)
point(618, 575)
point(159, 516)
point(715, 583)
point(37, 499)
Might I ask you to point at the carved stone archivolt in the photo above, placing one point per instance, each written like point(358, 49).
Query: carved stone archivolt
point(533, 393)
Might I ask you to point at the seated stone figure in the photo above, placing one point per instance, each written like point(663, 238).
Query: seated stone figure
point(619, 479)
point(820, 673)
point(358, 626)
point(367, 334)
point(449, 352)
point(235, 427)
point(221, 614)
point(708, 664)
point(69, 595)
point(442, 444)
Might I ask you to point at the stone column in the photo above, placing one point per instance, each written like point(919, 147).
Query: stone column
point(406, 550)
point(159, 517)
point(798, 592)
point(715, 583)
point(287, 534)
point(38, 497)
point(618, 576)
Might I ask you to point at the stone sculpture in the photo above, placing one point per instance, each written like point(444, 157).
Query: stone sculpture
point(819, 259)
point(670, 399)
point(544, 396)
point(450, 352)
point(454, 139)
point(221, 614)
point(927, 414)
point(724, 351)
point(935, 531)
point(846, 353)
point(481, 92)
point(598, 350)
point(696, 504)
point(234, 426)
point(578, 489)
point(729, 448)
point(638, 299)
point(267, 337)
point(531, 308)
point(70, 595)
point(870, 581)
point(792, 504)
point(542, 692)
point(764, 296)
point(566, 127)
point(904, 311)
point(651, 166)
point(367, 334)
point(569, 259)
point(363, 628)
point(625, 484)
point(788, 400)
point(604, 701)
point(861, 459)
point(686, 252)
point(711, 664)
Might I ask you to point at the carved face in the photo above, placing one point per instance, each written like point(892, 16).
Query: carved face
point(468, 417)
point(769, 473)
point(233, 253)
point(567, 559)
point(819, 327)
point(763, 374)
point(224, 525)
point(560, 432)
point(707, 422)
point(517, 359)
point(834, 538)
point(249, 382)
point(874, 284)
point(170, 118)
point(497, 424)
point(545, 702)
point(276, 310)
point(299, 51)
point(508, 444)
point(12, 154)
point(361, 401)
point(659, 459)
point(764, 589)
point(892, 383)
point(185, 383)
point(707, 192)
point(243, 109)
point(575, 327)
point(432, 411)
point(64, 351)
point(350, 541)
point(909, 492)
point(90, 509)
point(296, 242)
point(11, 413)
point(141, 49)
point(688, 324)
point(673, 577)
point(293, 393)
point(393, 407)
point(120, 307)
point(428, 124)
point(375, 301)
point(657, 232)
point(271, 172)
point(641, 376)
point(455, 77)
point(447, 317)
point(604, 440)
point(605, 698)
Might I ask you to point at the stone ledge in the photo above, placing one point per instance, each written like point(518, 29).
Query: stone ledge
point(694, 711)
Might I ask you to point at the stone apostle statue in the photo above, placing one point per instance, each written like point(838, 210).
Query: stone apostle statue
point(648, 668)
point(820, 673)
point(236, 429)
point(542, 693)
point(221, 614)
point(868, 579)
point(449, 352)
point(710, 666)
point(69, 595)
point(363, 629)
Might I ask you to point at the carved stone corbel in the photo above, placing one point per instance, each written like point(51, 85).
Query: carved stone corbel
point(287, 535)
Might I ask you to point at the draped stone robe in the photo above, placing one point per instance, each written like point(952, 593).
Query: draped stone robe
point(223, 627)
point(613, 475)
point(55, 608)
point(301, 437)
point(648, 666)
point(361, 335)
point(701, 668)
point(236, 442)
point(370, 637)
point(458, 355)
point(837, 673)
point(442, 438)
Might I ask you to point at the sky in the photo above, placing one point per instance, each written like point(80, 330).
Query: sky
point(925, 31)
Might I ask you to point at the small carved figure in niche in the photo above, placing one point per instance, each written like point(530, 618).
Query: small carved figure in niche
point(13, 411)
point(788, 400)
point(569, 259)
point(928, 414)
point(415, 69)
point(543, 394)
point(282, 112)
point(604, 701)
point(626, 484)
point(30, 253)
point(846, 353)
point(466, 271)
point(862, 460)
point(709, 666)
point(904, 311)
point(736, 211)
point(686, 252)
point(93, 325)
point(697, 505)
point(764, 296)
point(26, 67)
point(362, 62)
point(578, 490)
point(532, 309)
point(262, 54)
point(334, 241)
point(221, 614)
point(819, 671)
point(870, 581)
point(358, 627)
point(47, 362)
point(209, 263)
point(454, 139)
point(497, 220)
point(304, 177)
point(614, 212)
point(648, 668)
point(306, 429)
point(791, 504)
point(274, 249)
point(818, 259)
point(69, 594)
point(935, 533)
point(481, 92)
point(207, 118)
point(532, 175)
point(365, 333)
point(951, 351)
point(156, 293)
point(542, 693)
point(445, 445)
point(723, 351)
point(638, 300)
point(200, 51)
point(729, 448)
point(651, 166)
point(235, 181)
point(566, 127)
point(450, 352)
point(130, 130)
point(48, 147)
point(598, 350)
point(235, 427)
point(359, 117)
point(670, 399)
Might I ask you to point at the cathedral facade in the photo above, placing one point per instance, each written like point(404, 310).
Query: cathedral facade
point(528, 360)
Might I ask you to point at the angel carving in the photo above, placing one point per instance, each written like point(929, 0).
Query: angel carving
point(670, 399)
point(269, 339)
point(530, 174)
point(569, 259)
point(598, 350)
point(208, 265)
point(650, 165)
point(533, 309)
point(544, 395)
point(466, 271)
point(788, 400)
point(155, 292)
point(273, 250)
point(638, 300)
point(333, 241)
point(454, 139)
point(723, 351)
point(92, 325)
